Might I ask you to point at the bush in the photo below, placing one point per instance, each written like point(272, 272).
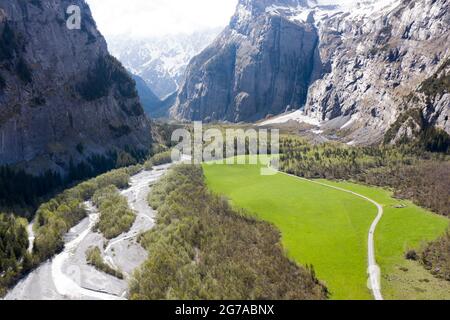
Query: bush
point(412, 255)
point(57, 216)
point(158, 159)
point(436, 257)
point(115, 215)
point(94, 258)
point(203, 249)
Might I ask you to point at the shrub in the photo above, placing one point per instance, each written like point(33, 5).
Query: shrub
point(158, 159)
point(94, 258)
point(436, 257)
point(115, 215)
point(412, 255)
point(124, 159)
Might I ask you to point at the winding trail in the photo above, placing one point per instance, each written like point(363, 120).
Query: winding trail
point(373, 268)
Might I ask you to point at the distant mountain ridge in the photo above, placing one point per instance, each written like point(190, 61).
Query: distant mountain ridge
point(160, 61)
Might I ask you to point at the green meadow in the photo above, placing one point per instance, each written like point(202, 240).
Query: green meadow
point(328, 228)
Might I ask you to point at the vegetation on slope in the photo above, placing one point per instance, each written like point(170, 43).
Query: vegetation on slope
point(329, 229)
point(427, 183)
point(55, 217)
point(439, 83)
point(436, 257)
point(414, 175)
point(203, 249)
point(423, 136)
point(14, 257)
point(94, 258)
point(319, 225)
point(108, 71)
point(22, 193)
point(404, 226)
point(115, 215)
point(158, 159)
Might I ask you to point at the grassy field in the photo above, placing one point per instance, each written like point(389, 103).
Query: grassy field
point(398, 231)
point(328, 228)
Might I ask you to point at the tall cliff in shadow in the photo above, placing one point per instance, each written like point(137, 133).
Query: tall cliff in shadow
point(63, 98)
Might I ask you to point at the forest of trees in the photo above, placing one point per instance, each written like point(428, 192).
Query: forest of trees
point(427, 183)
point(413, 174)
point(22, 193)
point(203, 249)
point(410, 172)
point(14, 257)
point(55, 217)
point(158, 159)
point(436, 257)
point(115, 215)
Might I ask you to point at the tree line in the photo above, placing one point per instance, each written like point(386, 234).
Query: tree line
point(201, 248)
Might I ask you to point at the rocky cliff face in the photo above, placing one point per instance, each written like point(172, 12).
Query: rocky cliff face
point(378, 62)
point(62, 96)
point(261, 64)
point(354, 65)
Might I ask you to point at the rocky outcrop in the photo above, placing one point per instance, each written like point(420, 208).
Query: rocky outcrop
point(261, 64)
point(352, 65)
point(378, 61)
point(63, 98)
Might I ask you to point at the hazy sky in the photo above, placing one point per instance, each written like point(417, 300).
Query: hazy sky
point(159, 17)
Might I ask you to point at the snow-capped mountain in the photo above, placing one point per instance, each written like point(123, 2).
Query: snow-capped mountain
point(160, 61)
point(359, 67)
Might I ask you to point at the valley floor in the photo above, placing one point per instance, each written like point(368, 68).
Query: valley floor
point(68, 276)
point(328, 229)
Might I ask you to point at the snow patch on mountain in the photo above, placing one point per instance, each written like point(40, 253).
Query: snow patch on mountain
point(160, 61)
point(322, 9)
point(298, 116)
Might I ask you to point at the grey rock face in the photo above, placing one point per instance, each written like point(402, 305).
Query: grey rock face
point(60, 89)
point(376, 62)
point(261, 64)
point(352, 66)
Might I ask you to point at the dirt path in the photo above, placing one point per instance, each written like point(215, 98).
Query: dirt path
point(373, 268)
